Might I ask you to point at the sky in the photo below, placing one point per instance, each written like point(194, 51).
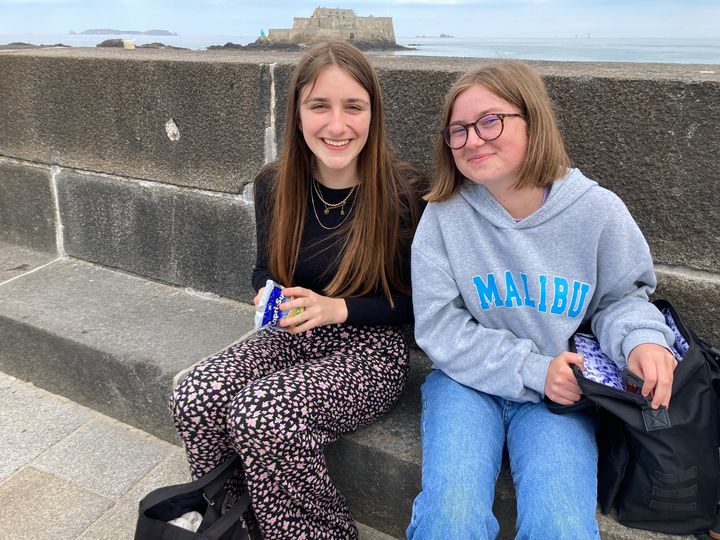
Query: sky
point(460, 18)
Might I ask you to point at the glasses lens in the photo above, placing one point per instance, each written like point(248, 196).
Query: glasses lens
point(455, 136)
point(489, 127)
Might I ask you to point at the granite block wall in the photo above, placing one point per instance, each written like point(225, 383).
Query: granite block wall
point(142, 160)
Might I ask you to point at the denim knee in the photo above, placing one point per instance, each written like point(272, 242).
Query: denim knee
point(452, 513)
point(556, 523)
point(562, 508)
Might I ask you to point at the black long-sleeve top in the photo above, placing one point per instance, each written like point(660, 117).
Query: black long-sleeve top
point(318, 256)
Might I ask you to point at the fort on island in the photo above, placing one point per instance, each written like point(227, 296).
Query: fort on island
point(328, 23)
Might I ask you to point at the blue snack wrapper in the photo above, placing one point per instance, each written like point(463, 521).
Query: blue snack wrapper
point(267, 312)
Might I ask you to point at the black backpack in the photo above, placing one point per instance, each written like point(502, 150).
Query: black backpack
point(659, 468)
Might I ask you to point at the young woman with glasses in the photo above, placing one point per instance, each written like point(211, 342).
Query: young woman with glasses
point(514, 250)
point(335, 217)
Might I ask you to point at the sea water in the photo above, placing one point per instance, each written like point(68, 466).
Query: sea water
point(676, 51)
point(584, 49)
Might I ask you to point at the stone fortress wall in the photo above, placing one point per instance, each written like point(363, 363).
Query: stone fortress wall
point(327, 23)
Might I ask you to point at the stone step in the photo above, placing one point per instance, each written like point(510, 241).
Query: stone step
point(108, 340)
point(117, 343)
point(368, 533)
point(16, 260)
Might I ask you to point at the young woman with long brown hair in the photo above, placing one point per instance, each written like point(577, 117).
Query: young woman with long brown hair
point(335, 217)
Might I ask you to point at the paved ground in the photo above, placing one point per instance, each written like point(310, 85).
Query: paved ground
point(68, 472)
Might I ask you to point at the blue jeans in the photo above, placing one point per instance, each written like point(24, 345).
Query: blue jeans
point(553, 460)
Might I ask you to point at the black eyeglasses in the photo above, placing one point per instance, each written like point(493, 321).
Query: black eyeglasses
point(488, 127)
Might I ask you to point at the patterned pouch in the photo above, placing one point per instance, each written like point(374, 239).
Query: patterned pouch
point(598, 366)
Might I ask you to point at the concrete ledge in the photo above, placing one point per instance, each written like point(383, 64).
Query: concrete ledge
point(696, 295)
point(179, 236)
point(27, 207)
point(108, 340)
point(18, 260)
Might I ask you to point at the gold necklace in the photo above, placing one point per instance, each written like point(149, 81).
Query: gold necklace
point(352, 205)
point(331, 206)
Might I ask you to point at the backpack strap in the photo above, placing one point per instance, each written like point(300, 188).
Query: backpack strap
point(712, 354)
point(710, 351)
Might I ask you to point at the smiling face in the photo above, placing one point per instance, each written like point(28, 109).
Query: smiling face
point(495, 164)
point(335, 122)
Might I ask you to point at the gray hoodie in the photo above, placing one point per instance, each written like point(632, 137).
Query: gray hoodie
point(497, 299)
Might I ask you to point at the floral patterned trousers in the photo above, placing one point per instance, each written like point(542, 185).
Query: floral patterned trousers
point(277, 399)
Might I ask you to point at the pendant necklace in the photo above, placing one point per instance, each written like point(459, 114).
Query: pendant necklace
point(331, 206)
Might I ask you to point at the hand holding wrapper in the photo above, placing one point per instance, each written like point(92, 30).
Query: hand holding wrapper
point(267, 312)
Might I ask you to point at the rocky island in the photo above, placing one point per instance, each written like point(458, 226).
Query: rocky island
point(366, 33)
point(120, 43)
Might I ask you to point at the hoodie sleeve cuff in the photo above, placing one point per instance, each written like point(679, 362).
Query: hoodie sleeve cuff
point(534, 372)
point(638, 337)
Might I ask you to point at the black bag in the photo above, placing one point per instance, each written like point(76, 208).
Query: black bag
point(659, 468)
point(205, 495)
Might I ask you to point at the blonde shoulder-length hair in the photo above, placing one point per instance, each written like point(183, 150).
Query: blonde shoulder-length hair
point(370, 257)
point(516, 82)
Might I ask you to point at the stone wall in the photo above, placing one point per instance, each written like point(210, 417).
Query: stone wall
point(141, 160)
point(277, 34)
point(376, 26)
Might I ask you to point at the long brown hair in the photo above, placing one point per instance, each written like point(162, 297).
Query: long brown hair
point(516, 82)
point(370, 256)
